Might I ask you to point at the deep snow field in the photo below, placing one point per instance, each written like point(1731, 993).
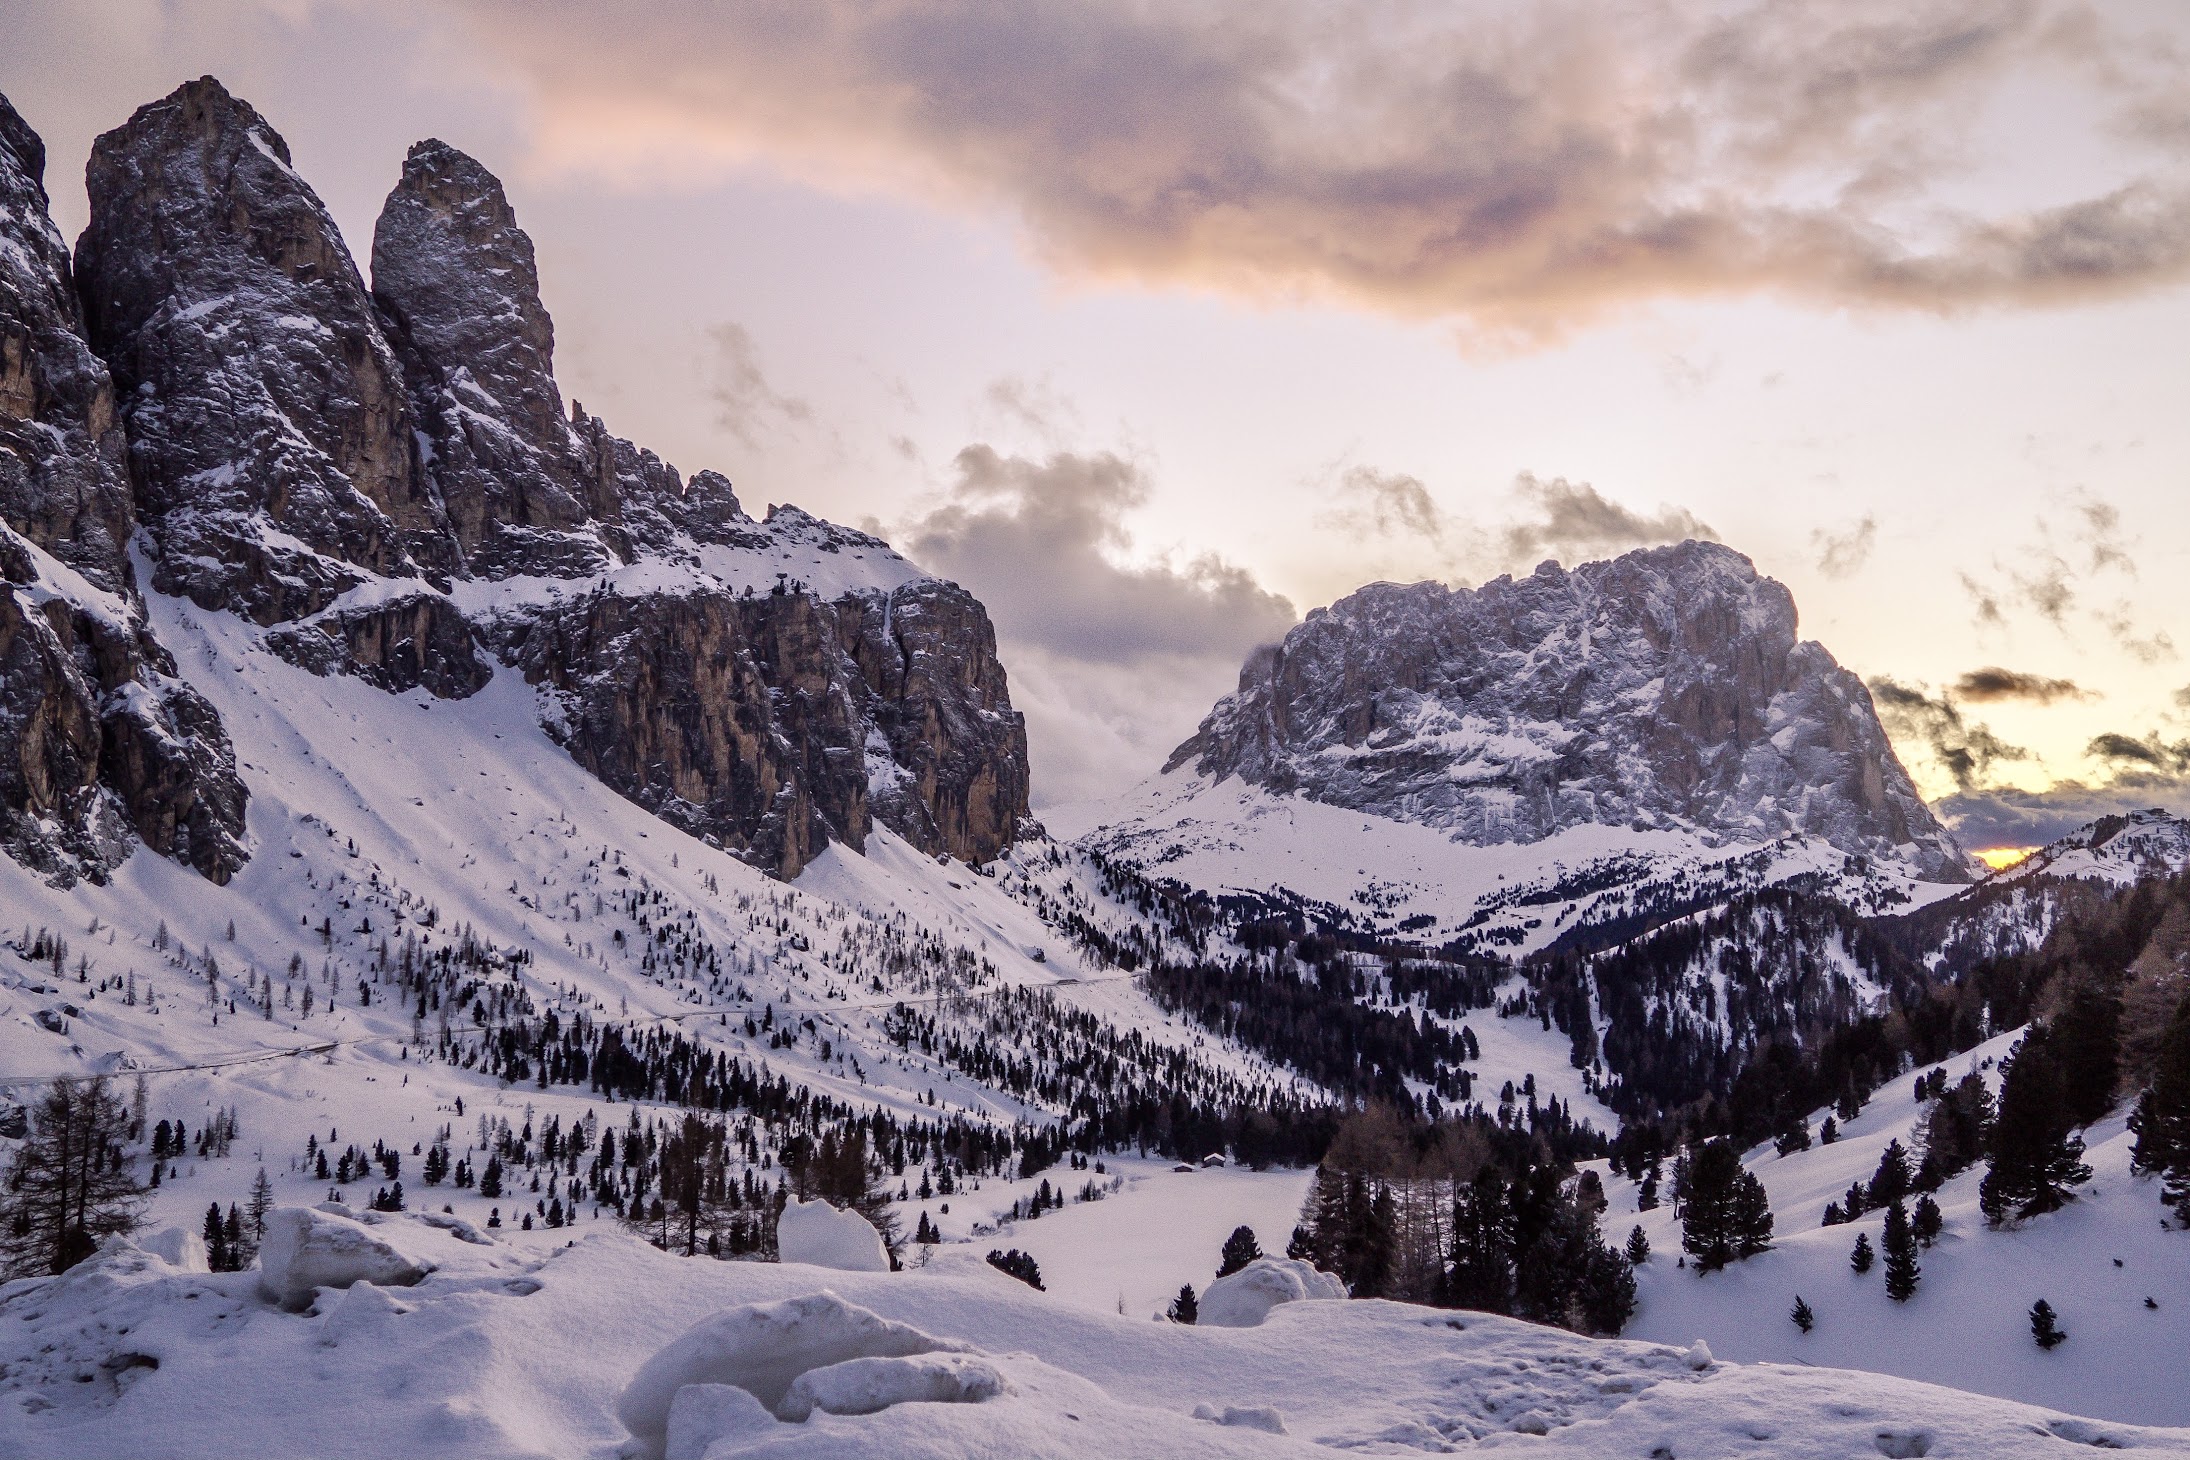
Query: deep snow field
point(505, 1352)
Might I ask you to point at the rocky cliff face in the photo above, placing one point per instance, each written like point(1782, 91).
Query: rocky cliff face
point(98, 737)
point(387, 482)
point(1665, 688)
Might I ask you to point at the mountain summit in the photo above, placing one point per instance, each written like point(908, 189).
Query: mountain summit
point(1664, 689)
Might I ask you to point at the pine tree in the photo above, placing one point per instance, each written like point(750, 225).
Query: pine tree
point(2036, 1157)
point(71, 1184)
point(1891, 1182)
point(1481, 1271)
point(490, 1180)
point(1902, 1271)
point(2161, 1121)
point(217, 1255)
point(2087, 1040)
point(262, 1202)
point(1802, 1315)
point(1725, 1215)
point(1240, 1249)
point(1860, 1259)
point(1929, 1220)
point(2044, 1327)
point(1185, 1308)
point(1638, 1247)
point(1017, 1264)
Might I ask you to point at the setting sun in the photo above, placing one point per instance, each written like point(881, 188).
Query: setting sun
point(2001, 858)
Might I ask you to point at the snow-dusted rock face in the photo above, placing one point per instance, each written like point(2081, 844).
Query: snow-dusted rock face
point(819, 1235)
point(1666, 688)
point(104, 744)
point(267, 423)
point(1244, 1298)
point(304, 1250)
point(388, 483)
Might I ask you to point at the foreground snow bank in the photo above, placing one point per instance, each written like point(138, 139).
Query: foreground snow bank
point(306, 1249)
point(1245, 1298)
point(765, 1349)
point(505, 1354)
point(818, 1235)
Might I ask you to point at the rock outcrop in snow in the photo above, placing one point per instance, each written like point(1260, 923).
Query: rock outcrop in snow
point(820, 1235)
point(104, 743)
point(1666, 688)
point(387, 482)
point(1244, 1298)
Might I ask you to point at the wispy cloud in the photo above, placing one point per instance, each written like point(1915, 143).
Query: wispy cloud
point(1517, 168)
point(1842, 554)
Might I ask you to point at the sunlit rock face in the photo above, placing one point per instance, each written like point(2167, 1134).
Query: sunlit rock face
point(1666, 688)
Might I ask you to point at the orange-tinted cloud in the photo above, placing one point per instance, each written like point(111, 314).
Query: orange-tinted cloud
point(1517, 169)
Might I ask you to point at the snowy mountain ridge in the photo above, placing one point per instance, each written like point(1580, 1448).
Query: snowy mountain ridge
point(1664, 689)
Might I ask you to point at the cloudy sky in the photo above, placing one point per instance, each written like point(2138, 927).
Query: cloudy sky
point(1158, 324)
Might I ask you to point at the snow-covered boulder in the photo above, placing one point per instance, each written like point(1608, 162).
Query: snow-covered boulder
point(178, 1247)
point(868, 1386)
point(304, 1250)
point(819, 1235)
point(702, 1416)
point(1245, 1298)
point(763, 1348)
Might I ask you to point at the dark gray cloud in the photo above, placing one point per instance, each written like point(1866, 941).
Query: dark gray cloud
point(1843, 554)
point(1036, 540)
point(2010, 817)
point(1113, 664)
point(1574, 521)
point(2129, 756)
point(746, 404)
point(1518, 167)
point(1993, 684)
point(1966, 750)
point(2133, 773)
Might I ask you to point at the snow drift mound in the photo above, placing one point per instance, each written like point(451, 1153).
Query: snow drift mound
point(306, 1249)
point(772, 1350)
point(819, 1235)
point(1246, 1297)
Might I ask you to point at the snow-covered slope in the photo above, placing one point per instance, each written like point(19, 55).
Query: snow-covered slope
point(499, 1353)
point(1968, 1325)
point(1400, 878)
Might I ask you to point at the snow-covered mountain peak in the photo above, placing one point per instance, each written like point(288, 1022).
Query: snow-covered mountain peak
point(1663, 690)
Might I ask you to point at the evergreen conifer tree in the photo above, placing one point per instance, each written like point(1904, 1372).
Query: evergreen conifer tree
point(2045, 1328)
point(1861, 1258)
point(1802, 1315)
point(1481, 1272)
point(1638, 1247)
point(1902, 1271)
point(2087, 1041)
point(2161, 1121)
point(1185, 1308)
point(1724, 1212)
point(1928, 1221)
point(1240, 1249)
point(2036, 1157)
